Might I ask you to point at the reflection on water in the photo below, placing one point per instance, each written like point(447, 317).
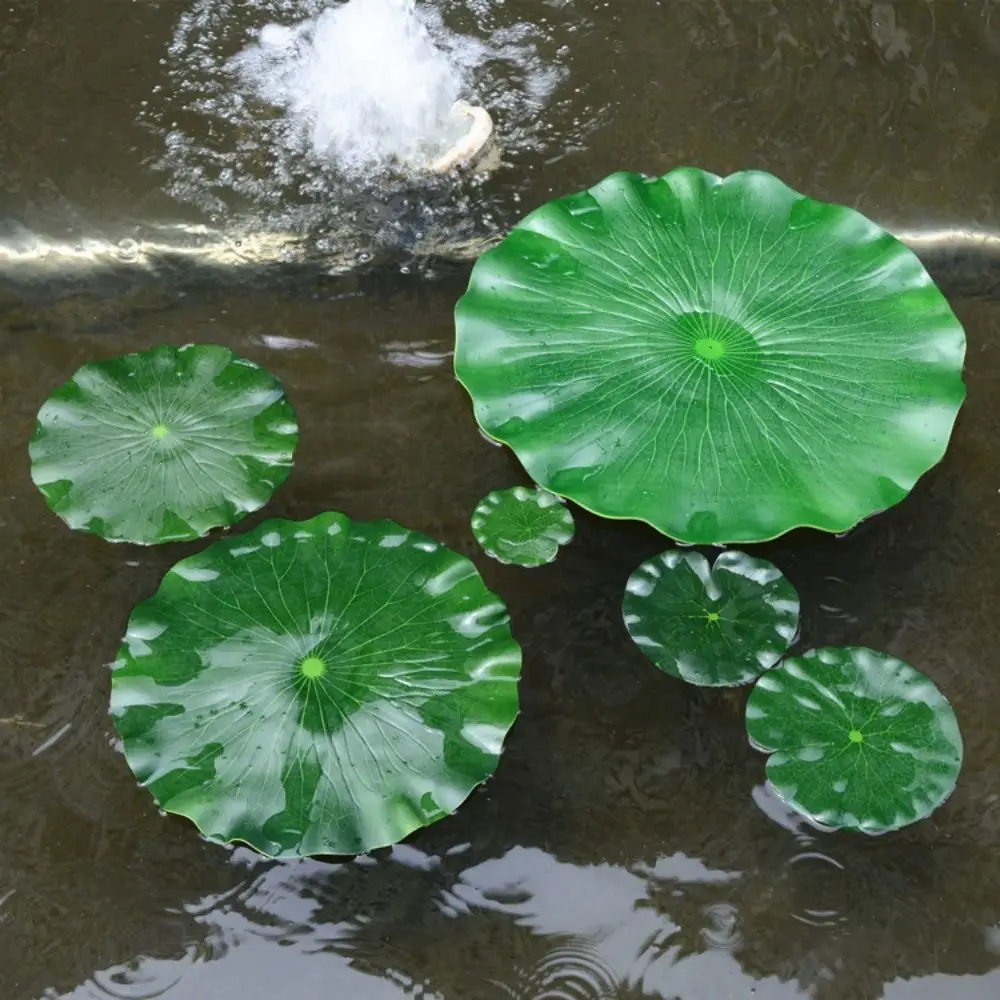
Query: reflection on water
point(182, 254)
point(964, 261)
point(628, 846)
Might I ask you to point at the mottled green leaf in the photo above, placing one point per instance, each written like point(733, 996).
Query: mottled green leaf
point(522, 526)
point(858, 740)
point(316, 687)
point(164, 445)
point(722, 358)
point(715, 626)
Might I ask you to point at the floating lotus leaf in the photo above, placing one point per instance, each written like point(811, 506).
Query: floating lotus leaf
point(522, 526)
point(715, 626)
point(164, 445)
point(722, 358)
point(858, 740)
point(316, 687)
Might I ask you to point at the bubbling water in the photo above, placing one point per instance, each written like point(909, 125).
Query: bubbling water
point(363, 85)
point(312, 122)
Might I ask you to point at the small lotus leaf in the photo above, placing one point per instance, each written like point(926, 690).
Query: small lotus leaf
point(316, 687)
point(522, 526)
point(714, 626)
point(858, 740)
point(722, 358)
point(164, 445)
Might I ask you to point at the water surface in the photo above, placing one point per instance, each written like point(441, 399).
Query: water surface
point(627, 846)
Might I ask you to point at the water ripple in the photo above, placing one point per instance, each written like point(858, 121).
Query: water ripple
point(573, 971)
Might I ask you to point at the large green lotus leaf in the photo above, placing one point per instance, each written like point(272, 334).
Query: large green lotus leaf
point(720, 357)
point(316, 687)
point(164, 445)
point(522, 526)
point(858, 740)
point(715, 626)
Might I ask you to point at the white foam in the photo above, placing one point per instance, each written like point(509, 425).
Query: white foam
point(263, 130)
point(363, 84)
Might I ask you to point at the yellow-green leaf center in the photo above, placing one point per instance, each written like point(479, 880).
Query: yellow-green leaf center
point(312, 667)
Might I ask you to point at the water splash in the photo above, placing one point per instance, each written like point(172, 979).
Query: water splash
point(362, 85)
point(256, 135)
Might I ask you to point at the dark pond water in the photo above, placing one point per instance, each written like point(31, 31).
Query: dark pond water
point(627, 846)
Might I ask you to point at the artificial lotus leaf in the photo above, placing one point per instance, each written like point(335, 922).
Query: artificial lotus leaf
point(316, 687)
point(164, 445)
point(714, 626)
point(858, 740)
point(722, 358)
point(522, 526)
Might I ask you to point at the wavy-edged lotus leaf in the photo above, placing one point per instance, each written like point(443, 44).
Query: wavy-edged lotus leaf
point(316, 687)
point(858, 740)
point(714, 626)
point(163, 445)
point(722, 358)
point(522, 526)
